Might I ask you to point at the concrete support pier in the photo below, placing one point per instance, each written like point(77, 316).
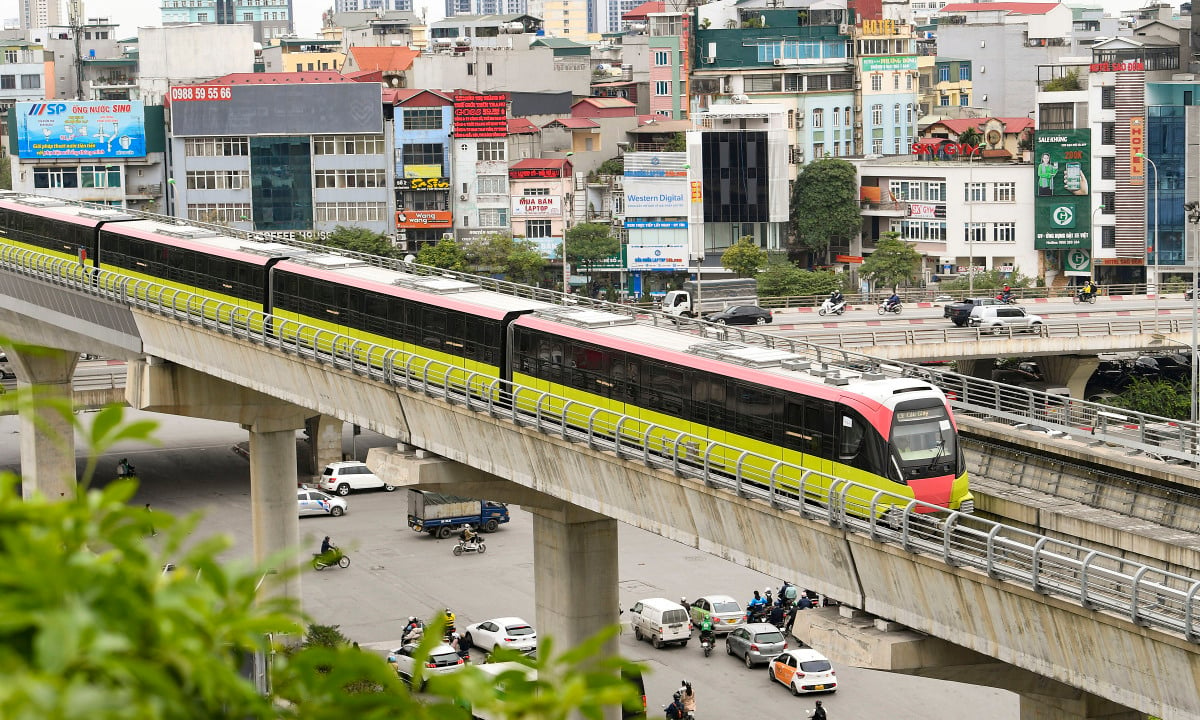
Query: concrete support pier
point(276, 524)
point(1070, 371)
point(324, 441)
point(47, 438)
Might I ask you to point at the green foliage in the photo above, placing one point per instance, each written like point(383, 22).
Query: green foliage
point(357, 239)
point(824, 204)
point(589, 243)
point(6, 172)
point(1067, 81)
point(1155, 397)
point(446, 254)
point(517, 260)
point(93, 629)
point(782, 278)
point(612, 166)
point(893, 262)
point(677, 143)
point(990, 280)
point(971, 136)
point(744, 257)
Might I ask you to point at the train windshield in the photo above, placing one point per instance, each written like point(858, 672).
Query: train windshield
point(924, 435)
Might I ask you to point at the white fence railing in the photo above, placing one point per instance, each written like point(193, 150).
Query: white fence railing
point(1097, 580)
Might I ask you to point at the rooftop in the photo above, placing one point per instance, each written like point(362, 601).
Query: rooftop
point(1013, 8)
point(280, 78)
point(641, 11)
point(573, 123)
point(542, 164)
point(521, 126)
point(383, 58)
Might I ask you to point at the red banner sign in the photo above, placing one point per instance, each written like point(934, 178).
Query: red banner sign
point(947, 148)
point(1118, 67)
point(424, 218)
point(535, 174)
point(854, 259)
point(480, 116)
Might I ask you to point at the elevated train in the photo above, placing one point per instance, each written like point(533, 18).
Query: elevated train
point(896, 435)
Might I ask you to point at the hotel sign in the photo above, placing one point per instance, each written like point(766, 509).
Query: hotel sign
point(1137, 146)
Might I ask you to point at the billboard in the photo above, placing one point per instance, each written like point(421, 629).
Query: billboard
point(905, 63)
point(656, 198)
point(78, 129)
point(307, 109)
point(657, 257)
point(424, 218)
point(1062, 208)
point(480, 116)
point(537, 206)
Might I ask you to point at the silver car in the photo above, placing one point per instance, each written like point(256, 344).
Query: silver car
point(442, 659)
point(999, 318)
point(755, 643)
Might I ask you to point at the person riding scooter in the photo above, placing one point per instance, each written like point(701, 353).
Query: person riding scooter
point(1006, 295)
point(1089, 289)
point(124, 469)
point(892, 301)
point(468, 536)
point(706, 631)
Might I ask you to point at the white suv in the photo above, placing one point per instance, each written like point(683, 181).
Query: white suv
point(342, 477)
point(999, 318)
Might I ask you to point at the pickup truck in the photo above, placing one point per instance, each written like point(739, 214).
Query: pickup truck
point(959, 312)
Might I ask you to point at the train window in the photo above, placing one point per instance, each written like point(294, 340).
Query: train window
point(796, 433)
point(664, 388)
point(850, 436)
point(453, 340)
point(752, 409)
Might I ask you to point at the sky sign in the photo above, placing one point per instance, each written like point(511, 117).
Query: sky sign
point(1062, 208)
point(77, 129)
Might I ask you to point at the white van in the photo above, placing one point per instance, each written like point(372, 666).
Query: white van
point(660, 621)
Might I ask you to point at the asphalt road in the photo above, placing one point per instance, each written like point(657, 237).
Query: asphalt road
point(396, 572)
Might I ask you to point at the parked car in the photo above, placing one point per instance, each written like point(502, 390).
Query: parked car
point(741, 315)
point(315, 502)
point(998, 318)
point(6, 371)
point(442, 659)
point(505, 632)
point(661, 621)
point(755, 643)
point(727, 613)
point(342, 477)
point(959, 312)
point(803, 670)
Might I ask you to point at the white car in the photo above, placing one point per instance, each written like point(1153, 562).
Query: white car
point(315, 502)
point(803, 670)
point(505, 632)
point(442, 659)
point(342, 477)
point(999, 318)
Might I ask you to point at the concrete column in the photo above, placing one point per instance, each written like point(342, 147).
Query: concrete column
point(1070, 371)
point(1084, 707)
point(324, 441)
point(977, 367)
point(47, 438)
point(575, 576)
point(276, 524)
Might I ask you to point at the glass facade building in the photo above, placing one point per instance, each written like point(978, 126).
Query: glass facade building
point(1166, 145)
point(281, 183)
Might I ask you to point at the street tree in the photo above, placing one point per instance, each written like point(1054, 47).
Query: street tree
point(782, 278)
point(824, 205)
point(893, 262)
point(971, 136)
point(95, 629)
point(588, 244)
point(518, 260)
point(744, 257)
point(446, 254)
point(362, 240)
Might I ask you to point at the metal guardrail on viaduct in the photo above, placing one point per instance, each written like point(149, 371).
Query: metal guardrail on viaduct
point(1141, 593)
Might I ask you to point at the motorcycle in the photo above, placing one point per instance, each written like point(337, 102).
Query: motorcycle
point(885, 308)
point(1007, 299)
point(470, 546)
point(830, 308)
point(1084, 297)
point(124, 469)
point(334, 557)
point(706, 644)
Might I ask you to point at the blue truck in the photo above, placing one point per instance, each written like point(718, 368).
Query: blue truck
point(443, 515)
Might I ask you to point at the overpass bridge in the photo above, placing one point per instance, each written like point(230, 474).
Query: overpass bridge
point(1079, 632)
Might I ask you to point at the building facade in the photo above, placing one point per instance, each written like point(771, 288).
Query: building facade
point(268, 18)
point(886, 102)
point(423, 188)
point(542, 200)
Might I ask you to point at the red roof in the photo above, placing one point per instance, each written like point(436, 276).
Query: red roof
point(1011, 124)
point(1018, 8)
point(310, 77)
point(365, 76)
point(521, 126)
point(543, 164)
point(641, 11)
point(383, 58)
point(572, 123)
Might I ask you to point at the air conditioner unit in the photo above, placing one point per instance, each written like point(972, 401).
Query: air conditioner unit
point(843, 29)
point(799, 123)
point(778, 62)
point(739, 99)
point(464, 196)
point(799, 114)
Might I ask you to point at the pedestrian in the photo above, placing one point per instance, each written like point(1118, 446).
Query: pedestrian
point(818, 713)
point(791, 618)
point(150, 521)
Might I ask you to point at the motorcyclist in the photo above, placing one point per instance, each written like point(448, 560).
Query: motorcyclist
point(818, 712)
point(1006, 294)
point(892, 301)
point(755, 606)
point(836, 298)
point(788, 593)
point(688, 697)
point(412, 631)
point(1089, 289)
point(675, 710)
point(124, 469)
point(327, 545)
point(449, 621)
point(706, 630)
point(469, 536)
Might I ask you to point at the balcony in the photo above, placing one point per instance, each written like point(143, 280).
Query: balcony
point(891, 208)
point(152, 190)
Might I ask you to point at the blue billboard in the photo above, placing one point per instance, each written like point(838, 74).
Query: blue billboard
point(67, 129)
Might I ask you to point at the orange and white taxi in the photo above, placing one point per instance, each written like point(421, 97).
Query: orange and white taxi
point(803, 670)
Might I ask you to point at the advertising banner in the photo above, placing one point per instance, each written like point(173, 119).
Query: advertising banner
point(885, 64)
point(78, 129)
point(656, 198)
point(537, 206)
point(284, 109)
point(480, 116)
point(424, 218)
point(422, 183)
point(657, 257)
point(1077, 261)
point(422, 171)
point(1062, 208)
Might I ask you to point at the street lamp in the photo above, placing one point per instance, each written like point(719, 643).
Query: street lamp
point(1157, 278)
point(971, 223)
point(1193, 216)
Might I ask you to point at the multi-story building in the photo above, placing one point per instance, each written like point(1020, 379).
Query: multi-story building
point(27, 73)
point(480, 155)
point(887, 81)
point(422, 183)
point(181, 55)
point(486, 7)
point(287, 152)
point(959, 214)
point(390, 28)
point(41, 13)
point(614, 16)
point(798, 61)
point(485, 69)
point(340, 6)
point(104, 152)
point(571, 19)
point(944, 86)
point(268, 18)
point(301, 54)
point(542, 199)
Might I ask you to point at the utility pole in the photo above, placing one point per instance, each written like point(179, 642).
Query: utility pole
point(75, 19)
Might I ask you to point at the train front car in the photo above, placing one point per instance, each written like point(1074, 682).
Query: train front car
point(923, 449)
point(54, 227)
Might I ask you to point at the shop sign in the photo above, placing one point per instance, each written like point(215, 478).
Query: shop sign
point(423, 183)
point(1120, 261)
point(424, 218)
point(535, 174)
point(946, 148)
point(852, 259)
point(536, 206)
point(657, 257)
point(1135, 66)
point(1137, 146)
point(480, 116)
